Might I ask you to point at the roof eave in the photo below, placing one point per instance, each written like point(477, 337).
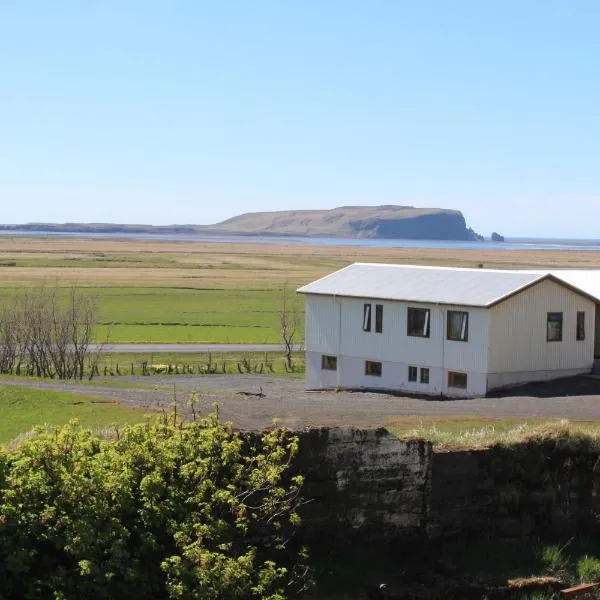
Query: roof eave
point(387, 299)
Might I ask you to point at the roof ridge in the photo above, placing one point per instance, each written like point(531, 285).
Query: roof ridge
point(446, 268)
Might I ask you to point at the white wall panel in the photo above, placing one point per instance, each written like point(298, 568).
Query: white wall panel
point(328, 317)
point(322, 324)
point(395, 345)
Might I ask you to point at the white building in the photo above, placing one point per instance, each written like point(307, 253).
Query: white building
point(447, 331)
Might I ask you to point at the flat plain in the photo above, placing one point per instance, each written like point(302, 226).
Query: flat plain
point(184, 292)
point(24, 408)
point(199, 292)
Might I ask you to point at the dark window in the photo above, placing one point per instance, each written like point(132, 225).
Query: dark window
point(329, 363)
point(457, 325)
point(554, 326)
point(373, 368)
point(424, 375)
point(417, 322)
point(457, 380)
point(412, 373)
point(378, 318)
point(367, 317)
point(580, 326)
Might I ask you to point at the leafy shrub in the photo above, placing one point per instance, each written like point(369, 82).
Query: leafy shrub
point(163, 512)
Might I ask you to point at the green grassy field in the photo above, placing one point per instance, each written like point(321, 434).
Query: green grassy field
point(143, 314)
point(186, 292)
point(23, 409)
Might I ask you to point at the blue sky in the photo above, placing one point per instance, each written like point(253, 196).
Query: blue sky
point(192, 112)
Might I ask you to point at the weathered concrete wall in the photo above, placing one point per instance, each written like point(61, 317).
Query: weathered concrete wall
point(528, 489)
point(363, 481)
point(369, 483)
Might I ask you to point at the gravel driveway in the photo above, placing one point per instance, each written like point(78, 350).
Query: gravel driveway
point(284, 397)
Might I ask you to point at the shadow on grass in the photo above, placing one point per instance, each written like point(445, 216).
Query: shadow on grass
point(461, 568)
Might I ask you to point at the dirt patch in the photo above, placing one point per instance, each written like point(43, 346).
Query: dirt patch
point(285, 399)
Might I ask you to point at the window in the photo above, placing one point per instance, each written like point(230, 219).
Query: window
point(367, 317)
point(378, 318)
point(457, 380)
point(329, 363)
point(457, 323)
point(554, 327)
point(424, 375)
point(412, 373)
point(580, 326)
point(417, 322)
point(373, 368)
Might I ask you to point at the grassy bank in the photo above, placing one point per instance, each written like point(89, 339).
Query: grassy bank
point(448, 433)
point(23, 409)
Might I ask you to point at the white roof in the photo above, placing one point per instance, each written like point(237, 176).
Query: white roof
point(442, 285)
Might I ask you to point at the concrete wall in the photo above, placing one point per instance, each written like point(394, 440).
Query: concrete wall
point(362, 481)
point(528, 490)
point(369, 484)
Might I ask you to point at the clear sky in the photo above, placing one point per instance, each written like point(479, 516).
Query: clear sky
point(192, 112)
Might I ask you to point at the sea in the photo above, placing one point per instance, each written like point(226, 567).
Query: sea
point(508, 244)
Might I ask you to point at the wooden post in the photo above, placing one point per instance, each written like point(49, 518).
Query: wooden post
point(579, 590)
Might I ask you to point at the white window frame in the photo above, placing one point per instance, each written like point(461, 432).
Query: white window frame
point(366, 317)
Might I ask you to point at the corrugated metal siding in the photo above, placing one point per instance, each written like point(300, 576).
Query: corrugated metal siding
point(597, 328)
point(394, 345)
point(518, 331)
point(322, 324)
point(393, 377)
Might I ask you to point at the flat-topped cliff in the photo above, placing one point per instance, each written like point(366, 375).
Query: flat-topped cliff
point(377, 222)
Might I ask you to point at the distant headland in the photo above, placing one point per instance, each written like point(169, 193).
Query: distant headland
point(372, 222)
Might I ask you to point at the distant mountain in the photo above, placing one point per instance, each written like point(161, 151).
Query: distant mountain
point(388, 222)
point(377, 222)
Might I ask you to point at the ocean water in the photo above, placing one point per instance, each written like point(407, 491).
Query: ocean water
point(509, 244)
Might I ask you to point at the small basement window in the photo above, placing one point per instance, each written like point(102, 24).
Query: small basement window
point(424, 375)
point(457, 380)
point(412, 373)
point(417, 322)
point(554, 325)
point(372, 368)
point(329, 363)
point(580, 326)
point(367, 317)
point(378, 318)
point(457, 325)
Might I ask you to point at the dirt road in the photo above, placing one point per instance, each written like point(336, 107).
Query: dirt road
point(285, 399)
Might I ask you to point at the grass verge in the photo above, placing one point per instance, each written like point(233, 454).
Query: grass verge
point(473, 433)
point(23, 409)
